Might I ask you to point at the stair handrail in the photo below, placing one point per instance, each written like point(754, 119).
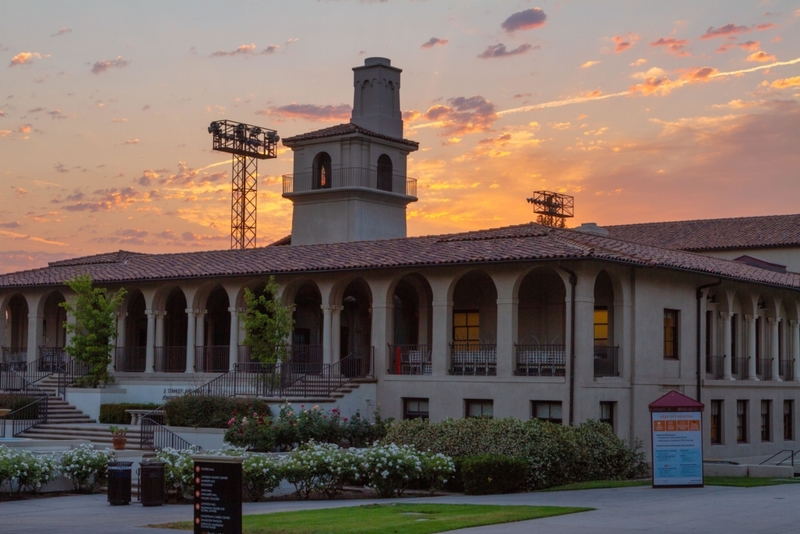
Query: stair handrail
point(38, 406)
point(791, 455)
point(69, 373)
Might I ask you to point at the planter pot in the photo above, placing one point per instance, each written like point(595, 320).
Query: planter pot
point(119, 442)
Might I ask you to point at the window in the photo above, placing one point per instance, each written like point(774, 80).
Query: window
point(671, 318)
point(788, 420)
point(415, 408)
point(384, 173)
point(467, 327)
point(734, 343)
point(607, 413)
point(716, 422)
point(741, 421)
point(766, 417)
point(601, 326)
point(546, 411)
point(480, 408)
point(322, 177)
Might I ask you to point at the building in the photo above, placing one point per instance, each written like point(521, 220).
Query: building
point(523, 321)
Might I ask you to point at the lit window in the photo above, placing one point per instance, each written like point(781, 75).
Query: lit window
point(601, 326)
point(466, 328)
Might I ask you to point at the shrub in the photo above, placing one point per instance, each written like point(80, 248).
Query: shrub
point(114, 414)
point(492, 474)
point(260, 475)
point(210, 411)
point(86, 467)
point(15, 402)
point(437, 470)
point(25, 470)
point(179, 469)
point(389, 469)
point(254, 432)
point(320, 467)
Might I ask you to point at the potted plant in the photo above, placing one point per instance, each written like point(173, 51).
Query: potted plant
point(119, 437)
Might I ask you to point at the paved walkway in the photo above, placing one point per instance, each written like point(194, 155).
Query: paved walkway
point(767, 510)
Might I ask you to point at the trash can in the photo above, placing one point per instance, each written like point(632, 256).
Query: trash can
point(151, 483)
point(119, 483)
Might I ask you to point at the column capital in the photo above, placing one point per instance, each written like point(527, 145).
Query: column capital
point(233, 309)
point(726, 315)
point(794, 323)
point(750, 318)
point(150, 313)
point(190, 311)
point(436, 303)
point(774, 320)
point(507, 301)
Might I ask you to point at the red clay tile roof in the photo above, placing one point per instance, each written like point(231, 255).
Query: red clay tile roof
point(711, 234)
point(529, 242)
point(346, 129)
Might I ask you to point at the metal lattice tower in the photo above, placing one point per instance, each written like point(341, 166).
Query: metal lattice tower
point(247, 144)
point(553, 208)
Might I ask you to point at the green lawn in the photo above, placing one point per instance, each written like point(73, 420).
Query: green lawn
point(390, 518)
point(599, 484)
point(748, 482)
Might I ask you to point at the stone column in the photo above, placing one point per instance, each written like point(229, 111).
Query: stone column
point(442, 331)
point(160, 334)
point(751, 346)
point(726, 345)
point(507, 326)
point(191, 339)
point(381, 329)
point(34, 336)
point(122, 329)
point(336, 333)
point(200, 338)
point(795, 325)
point(774, 344)
point(149, 358)
point(234, 339)
point(326, 335)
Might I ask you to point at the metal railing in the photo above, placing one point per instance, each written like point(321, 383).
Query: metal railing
point(473, 359)
point(740, 368)
point(71, 372)
point(154, 435)
point(787, 369)
point(130, 359)
point(307, 357)
point(349, 177)
point(169, 359)
point(14, 354)
point(540, 360)
point(51, 358)
point(715, 367)
point(764, 368)
point(606, 361)
point(212, 358)
point(30, 415)
point(790, 454)
point(32, 372)
point(409, 360)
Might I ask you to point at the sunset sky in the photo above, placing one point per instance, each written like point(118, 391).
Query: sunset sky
point(644, 111)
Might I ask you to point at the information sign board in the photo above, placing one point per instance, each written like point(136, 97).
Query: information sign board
point(677, 448)
point(217, 495)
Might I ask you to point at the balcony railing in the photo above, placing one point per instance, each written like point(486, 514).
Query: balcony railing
point(787, 369)
point(211, 358)
point(14, 354)
point(739, 368)
point(130, 359)
point(715, 367)
point(51, 358)
point(473, 359)
point(540, 360)
point(410, 360)
point(349, 177)
point(170, 359)
point(764, 368)
point(606, 361)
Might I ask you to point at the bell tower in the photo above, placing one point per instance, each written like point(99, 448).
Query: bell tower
point(349, 181)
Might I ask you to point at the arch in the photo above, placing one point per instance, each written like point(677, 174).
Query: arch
point(213, 352)
point(385, 172)
point(321, 169)
point(355, 327)
point(54, 331)
point(474, 348)
point(412, 325)
point(606, 351)
point(308, 326)
point(16, 338)
point(131, 356)
point(171, 357)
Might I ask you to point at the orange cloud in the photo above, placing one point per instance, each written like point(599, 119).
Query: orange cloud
point(24, 58)
point(640, 61)
point(589, 64)
point(750, 45)
point(676, 47)
point(463, 115)
point(434, 41)
point(623, 42)
point(760, 57)
point(102, 66)
point(786, 82)
point(723, 31)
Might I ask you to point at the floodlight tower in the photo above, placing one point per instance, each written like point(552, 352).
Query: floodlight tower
point(247, 144)
point(552, 208)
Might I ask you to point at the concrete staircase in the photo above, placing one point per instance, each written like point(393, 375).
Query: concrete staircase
point(95, 433)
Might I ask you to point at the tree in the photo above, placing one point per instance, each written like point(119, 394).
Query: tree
point(94, 328)
point(267, 323)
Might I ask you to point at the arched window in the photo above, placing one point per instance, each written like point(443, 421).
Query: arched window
point(322, 171)
point(384, 173)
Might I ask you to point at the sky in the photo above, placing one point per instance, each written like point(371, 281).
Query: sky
point(643, 111)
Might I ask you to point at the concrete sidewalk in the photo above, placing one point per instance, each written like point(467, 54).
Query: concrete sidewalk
point(767, 510)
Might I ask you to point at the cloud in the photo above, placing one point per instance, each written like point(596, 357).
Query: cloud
point(656, 83)
point(56, 114)
point(786, 83)
point(62, 31)
point(676, 47)
point(102, 66)
point(499, 50)
point(434, 41)
point(2, 113)
point(271, 49)
point(525, 20)
point(750, 45)
point(640, 61)
point(185, 177)
point(132, 141)
point(104, 200)
point(11, 224)
point(623, 42)
point(740, 104)
point(59, 167)
point(19, 191)
point(723, 31)
point(589, 64)
point(310, 112)
point(463, 115)
point(247, 50)
point(24, 58)
point(760, 57)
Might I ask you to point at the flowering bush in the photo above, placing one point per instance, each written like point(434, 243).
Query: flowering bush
point(437, 469)
point(321, 467)
point(389, 469)
point(86, 467)
point(260, 475)
point(254, 431)
point(25, 470)
point(178, 472)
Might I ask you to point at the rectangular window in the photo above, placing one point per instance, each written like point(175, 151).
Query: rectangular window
point(734, 343)
point(415, 408)
point(716, 422)
point(601, 326)
point(766, 419)
point(741, 421)
point(788, 420)
point(671, 318)
point(546, 411)
point(467, 327)
point(607, 413)
point(480, 408)
point(709, 341)
point(759, 352)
